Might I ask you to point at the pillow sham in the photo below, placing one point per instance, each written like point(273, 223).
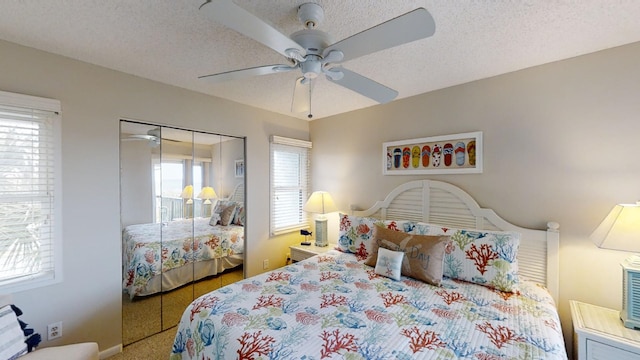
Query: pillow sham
point(218, 209)
point(389, 263)
point(227, 215)
point(483, 257)
point(356, 233)
point(12, 338)
point(424, 254)
point(238, 215)
point(215, 219)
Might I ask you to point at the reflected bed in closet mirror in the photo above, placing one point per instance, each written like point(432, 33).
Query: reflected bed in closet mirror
point(163, 258)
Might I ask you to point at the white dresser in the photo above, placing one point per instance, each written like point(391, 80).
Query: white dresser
point(598, 334)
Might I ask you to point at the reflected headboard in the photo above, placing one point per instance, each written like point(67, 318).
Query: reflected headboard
point(441, 203)
point(238, 193)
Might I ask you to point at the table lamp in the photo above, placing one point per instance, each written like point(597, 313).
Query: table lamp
point(187, 194)
point(207, 193)
point(620, 230)
point(320, 202)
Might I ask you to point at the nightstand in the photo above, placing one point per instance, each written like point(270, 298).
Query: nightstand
point(301, 252)
point(598, 334)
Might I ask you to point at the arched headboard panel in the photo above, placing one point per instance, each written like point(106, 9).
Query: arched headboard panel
point(238, 193)
point(441, 203)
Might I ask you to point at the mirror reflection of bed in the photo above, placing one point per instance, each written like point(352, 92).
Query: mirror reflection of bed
point(182, 217)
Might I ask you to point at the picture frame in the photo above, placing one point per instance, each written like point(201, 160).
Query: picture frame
point(239, 168)
point(445, 154)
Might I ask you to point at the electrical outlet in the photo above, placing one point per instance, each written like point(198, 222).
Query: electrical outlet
point(265, 264)
point(54, 330)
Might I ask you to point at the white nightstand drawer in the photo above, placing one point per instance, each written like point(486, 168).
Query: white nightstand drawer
point(302, 252)
point(599, 351)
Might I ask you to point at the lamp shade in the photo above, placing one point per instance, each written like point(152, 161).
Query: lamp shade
point(187, 193)
point(620, 230)
point(320, 202)
point(207, 193)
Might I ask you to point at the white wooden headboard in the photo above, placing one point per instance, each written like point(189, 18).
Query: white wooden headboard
point(441, 203)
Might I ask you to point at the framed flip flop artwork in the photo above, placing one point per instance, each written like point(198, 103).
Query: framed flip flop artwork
point(446, 154)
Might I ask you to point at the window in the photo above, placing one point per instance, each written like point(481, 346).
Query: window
point(30, 192)
point(289, 184)
point(169, 204)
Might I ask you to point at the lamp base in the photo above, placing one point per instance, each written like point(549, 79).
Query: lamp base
point(321, 233)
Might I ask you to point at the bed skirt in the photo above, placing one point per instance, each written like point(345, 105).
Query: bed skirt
point(177, 277)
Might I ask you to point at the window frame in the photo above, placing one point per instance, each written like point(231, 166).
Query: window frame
point(54, 272)
point(279, 143)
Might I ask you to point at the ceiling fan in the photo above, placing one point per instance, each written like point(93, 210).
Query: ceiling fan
point(152, 136)
point(313, 52)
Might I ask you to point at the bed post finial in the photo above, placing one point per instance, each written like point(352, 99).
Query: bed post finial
point(553, 226)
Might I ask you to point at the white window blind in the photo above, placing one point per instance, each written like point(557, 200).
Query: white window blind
point(30, 220)
point(290, 160)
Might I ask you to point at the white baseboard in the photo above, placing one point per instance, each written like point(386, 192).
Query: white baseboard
point(111, 352)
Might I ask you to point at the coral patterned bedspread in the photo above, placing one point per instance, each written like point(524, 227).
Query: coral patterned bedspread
point(333, 307)
point(183, 242)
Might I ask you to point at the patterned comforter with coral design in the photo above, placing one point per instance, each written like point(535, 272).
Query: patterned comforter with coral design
point(333, 307)
point(150, 249)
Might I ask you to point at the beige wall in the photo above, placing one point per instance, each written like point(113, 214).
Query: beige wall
point(93, 100)
point(560, 143)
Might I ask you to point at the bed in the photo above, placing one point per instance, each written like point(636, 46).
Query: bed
point(335, 306)
point(162, 257)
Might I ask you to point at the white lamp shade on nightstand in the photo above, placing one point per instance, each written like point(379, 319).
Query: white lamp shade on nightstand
point(620, 230)
point(320, 202)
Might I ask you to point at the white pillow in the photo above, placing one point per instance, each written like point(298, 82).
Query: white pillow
point(389, 263)
point(12, 343)
point(215, 219)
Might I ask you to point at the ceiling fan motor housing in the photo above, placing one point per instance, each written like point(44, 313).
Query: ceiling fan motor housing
point(314, 42)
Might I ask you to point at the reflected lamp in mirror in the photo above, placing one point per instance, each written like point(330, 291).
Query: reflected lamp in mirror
point(207, 193)
point(321, 203)
point(620, 230)
point(187, 194)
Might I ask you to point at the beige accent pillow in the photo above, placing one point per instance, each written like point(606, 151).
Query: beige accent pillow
point(227, 215)
point(424, 254)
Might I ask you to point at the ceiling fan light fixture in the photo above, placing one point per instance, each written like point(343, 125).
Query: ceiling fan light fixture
point(294, 54)
point(334, 74)
point(312, 67)
point(333, 56)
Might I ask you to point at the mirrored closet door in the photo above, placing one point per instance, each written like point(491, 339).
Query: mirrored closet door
point(182, 214)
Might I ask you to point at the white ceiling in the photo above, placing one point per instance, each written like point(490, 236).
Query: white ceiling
point(170, 41)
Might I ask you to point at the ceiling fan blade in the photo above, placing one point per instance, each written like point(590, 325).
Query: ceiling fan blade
point(414, 25)
point(135, 137)
point(365, 86)
point(234, 17)
point(245, 73)
point(302, 96)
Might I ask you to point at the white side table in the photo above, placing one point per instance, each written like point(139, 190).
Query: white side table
point(598, 334)
point(301, 252)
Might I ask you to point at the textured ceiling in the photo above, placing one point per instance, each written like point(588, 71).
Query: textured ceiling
point(170, 41)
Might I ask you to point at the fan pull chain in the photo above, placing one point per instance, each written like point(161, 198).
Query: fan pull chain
point(310, 114)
